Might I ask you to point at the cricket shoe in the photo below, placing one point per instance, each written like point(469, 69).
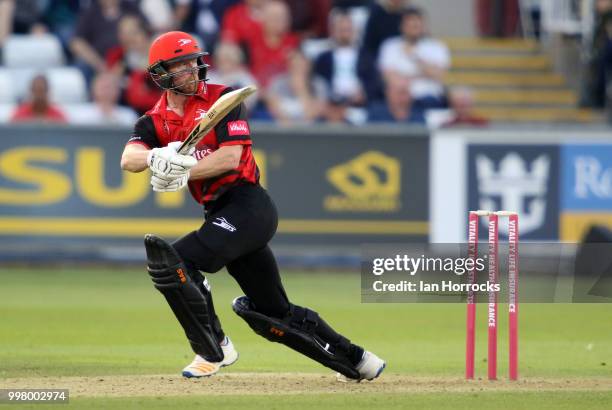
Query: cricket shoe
point(201, 367)
point(369, 368)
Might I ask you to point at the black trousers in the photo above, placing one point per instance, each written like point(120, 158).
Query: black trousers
point(236, 233)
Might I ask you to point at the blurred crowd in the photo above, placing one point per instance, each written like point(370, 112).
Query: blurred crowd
point(502, 18)
point(341, 61)
point(597, 92)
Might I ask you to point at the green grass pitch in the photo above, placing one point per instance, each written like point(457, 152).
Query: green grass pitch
point(105, 323)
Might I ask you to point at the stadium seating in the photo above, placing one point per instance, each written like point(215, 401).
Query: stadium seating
point(6, 89)
point(73, 112)
point(514, 81)
point(66, 83)
point(6, 110)
point(33, 51)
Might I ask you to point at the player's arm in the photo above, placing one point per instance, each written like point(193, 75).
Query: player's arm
point(233, 134)
point(219, 162)
point(142, 140)
point(134, 158)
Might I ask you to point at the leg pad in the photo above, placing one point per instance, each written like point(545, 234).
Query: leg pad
point(190, 301)
point(298, 330)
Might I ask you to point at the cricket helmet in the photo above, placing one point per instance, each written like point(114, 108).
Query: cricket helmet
point(173, 47)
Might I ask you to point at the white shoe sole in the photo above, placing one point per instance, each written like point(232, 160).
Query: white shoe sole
point(187, 374)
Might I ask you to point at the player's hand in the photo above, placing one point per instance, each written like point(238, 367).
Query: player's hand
point(162, 183)
point(167, 162)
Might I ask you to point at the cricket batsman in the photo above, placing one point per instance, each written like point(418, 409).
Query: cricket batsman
point(240, 220)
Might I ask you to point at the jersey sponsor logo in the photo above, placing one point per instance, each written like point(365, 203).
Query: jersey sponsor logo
point(202, 152)
point(222, 222)
point(240, 127)
point(184, 41)
point(200, 113)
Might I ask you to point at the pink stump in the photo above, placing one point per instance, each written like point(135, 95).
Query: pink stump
point(513, 242)
point(471, 297)
point(492, 305)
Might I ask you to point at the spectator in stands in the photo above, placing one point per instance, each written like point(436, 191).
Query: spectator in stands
point(203, 17)
point(398, 106)
point(345, 4)
point(338, 67)
point(383, 23)
point(132, 51)
point(27, 16)
point(21, 17)
point(418, 58)
point(228, 68)
point(160, 14)
point(96, 33)
point(498, 18)
point(105, 109)
point(599, 68)
point(242, 20)
point(269, 47)
point(39, 108)
point(461, 100)
point(61, 18)
point(309, 18)
point(533, 8)
point(6, 22)
point(129, 61)
point(294, 97)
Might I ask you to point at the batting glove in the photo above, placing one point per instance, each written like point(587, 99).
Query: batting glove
point(166, 162)
point(162, 183)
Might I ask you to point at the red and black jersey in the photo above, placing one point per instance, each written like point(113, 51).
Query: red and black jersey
point(160, 126)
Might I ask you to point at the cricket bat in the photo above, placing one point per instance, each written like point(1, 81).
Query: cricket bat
point(215, 114)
